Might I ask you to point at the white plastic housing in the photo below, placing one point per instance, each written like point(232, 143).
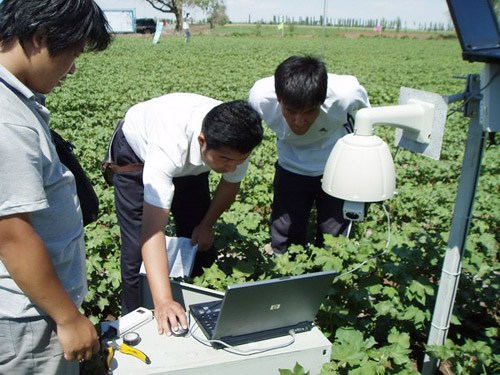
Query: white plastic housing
point(360, 169)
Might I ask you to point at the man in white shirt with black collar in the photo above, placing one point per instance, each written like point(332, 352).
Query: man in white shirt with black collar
point(309, 110)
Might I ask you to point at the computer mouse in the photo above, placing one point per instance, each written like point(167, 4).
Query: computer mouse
point(179, 331)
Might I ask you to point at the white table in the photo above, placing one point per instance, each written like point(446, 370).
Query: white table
point(186, 355)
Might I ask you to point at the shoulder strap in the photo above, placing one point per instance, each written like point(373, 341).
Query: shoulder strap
point(10, 87)
point(88, 199)
point(27, 103)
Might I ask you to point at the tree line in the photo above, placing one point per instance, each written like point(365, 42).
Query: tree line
point(395, 24)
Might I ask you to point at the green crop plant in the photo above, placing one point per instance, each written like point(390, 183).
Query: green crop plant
point(377, 317)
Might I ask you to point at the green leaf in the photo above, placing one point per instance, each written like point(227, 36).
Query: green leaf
point(401, 339)
point(350, 347)
point(369, 367)
point(103, 302)
point(297, 370)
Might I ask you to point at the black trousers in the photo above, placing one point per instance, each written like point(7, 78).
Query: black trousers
point(190, 203)
point(294, 197)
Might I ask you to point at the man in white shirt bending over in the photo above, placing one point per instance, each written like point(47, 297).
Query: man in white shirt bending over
point(309, 110)
point(175, 141)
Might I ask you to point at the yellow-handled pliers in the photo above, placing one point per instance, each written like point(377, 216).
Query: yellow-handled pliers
point(108, 349)
point(109, 352)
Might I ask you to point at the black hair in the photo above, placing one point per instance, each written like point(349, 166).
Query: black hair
point(235, 125)
point(301, 81)
point(65, 23)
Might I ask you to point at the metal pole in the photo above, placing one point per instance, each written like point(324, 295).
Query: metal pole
point(324, 30)
point(452, 265)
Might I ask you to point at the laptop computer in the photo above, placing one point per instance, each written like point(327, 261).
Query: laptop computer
point(265, 309)
point(477, 28)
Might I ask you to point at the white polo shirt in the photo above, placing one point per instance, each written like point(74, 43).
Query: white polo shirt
point(307, 154)
point(163, 132)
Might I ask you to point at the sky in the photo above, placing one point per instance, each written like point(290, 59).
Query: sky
point(411, 12)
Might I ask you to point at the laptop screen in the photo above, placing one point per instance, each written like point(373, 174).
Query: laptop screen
point(476, 23)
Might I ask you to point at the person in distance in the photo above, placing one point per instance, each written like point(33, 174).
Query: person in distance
point(42, 256)
point(309, 109)
point(173, 142)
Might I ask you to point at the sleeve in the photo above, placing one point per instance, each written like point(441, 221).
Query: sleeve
point(351, 95)
point(359, 100)
point(262, 98)
point(21, 185)
point(344, 98)
point(159, 169)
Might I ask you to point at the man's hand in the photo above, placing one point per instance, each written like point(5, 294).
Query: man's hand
point(203, 235)
point(78, 338)
point(169, 315)
point(22, 251)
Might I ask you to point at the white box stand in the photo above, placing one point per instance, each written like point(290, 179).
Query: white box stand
point(187, 356)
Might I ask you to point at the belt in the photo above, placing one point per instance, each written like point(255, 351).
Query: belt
point(109, 168)
point(132, 167)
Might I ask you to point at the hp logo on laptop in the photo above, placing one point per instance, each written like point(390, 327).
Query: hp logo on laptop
point(275, 307)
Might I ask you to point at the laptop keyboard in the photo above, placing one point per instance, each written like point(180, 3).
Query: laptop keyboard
point(207, 314)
